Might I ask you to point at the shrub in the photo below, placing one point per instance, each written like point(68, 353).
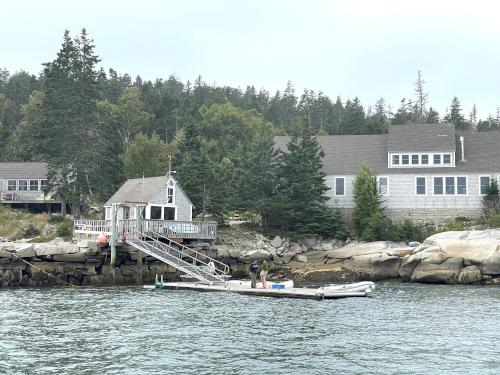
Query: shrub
point(64, 229)
point(31, 231)
point(453, 225)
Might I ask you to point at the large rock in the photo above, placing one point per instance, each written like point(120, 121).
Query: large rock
point(438, 270)
point(469, 275)
point(295, 249)
point(358, 249)
point(276, 242)
point(258, 254)
point(301, 258)
point(20, 250)
point(491, 265)
point(378, 267)
point(56, 247)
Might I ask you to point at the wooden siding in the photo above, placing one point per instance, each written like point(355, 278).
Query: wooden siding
point(402, 193)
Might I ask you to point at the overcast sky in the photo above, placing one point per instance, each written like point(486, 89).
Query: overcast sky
point(368, 49)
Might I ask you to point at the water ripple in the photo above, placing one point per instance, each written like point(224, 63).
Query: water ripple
point(403, 329)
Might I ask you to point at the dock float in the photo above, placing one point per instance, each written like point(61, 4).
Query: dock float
point(242, 288)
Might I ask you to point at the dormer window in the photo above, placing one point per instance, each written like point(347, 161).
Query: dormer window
point(421, 159)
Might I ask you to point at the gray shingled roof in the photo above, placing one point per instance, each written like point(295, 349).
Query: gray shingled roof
point(138, 190)
point(141, 190)
point(20, 170)
point(345, 153)
point(421, 137)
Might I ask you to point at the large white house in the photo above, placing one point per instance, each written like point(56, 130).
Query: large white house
point(426, 173)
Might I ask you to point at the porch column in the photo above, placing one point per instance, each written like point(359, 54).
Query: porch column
point(114, 234)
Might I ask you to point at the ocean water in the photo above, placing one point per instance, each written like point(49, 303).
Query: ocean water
point(401, 329)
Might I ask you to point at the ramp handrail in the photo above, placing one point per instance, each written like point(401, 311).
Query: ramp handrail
point(221, 268)
point(201, 273)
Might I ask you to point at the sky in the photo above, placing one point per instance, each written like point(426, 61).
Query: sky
point(368, 49)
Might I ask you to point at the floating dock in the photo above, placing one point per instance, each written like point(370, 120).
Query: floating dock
point(243, 287)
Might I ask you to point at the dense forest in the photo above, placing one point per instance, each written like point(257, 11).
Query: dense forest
point(97, 128)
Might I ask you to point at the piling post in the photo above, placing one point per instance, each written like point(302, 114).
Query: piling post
point(114, 235)
point(138, 219)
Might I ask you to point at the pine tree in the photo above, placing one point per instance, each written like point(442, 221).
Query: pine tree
point(80, 152)
point(455, 116)
point(421, 97)
point(302, 188)
point(369, 220)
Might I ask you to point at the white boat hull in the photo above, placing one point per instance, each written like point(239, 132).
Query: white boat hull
point(361, 287)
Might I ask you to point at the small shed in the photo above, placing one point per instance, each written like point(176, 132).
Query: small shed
point(162, 198)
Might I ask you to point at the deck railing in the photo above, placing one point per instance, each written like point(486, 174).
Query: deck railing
point(90, 229)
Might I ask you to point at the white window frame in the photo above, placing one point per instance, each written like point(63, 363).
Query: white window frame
point(430, 159)
point(335, 186)
point(425, 186)
point(9, 185)
point(489, 179)
point(171, 185)
point(37, 185)
point(387, 186)
point(455, 184)
point(434, 185)
point(19, 185)
point(466, 185)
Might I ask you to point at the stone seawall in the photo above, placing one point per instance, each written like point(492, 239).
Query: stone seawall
point(61, 264)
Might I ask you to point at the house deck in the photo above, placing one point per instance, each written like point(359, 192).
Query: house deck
point(199, 230)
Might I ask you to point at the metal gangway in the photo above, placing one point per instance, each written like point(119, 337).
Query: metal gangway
point(193, 263)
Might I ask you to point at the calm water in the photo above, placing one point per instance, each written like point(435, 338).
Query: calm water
point(402, 329)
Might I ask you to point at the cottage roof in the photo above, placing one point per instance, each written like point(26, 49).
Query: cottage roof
point(141, 190)
point(21, 170)
point(345, 153)
point(421, 137)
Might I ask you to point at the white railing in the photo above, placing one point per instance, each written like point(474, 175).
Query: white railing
point(172, 229)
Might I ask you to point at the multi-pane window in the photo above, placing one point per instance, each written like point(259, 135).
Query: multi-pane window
point(424, 159)
point(43, 184)
point(461, 185)
point(405, 159)
point(170, 195)
point(23, 185)
point(155, 213)
point(395, 159)
point(34, 185)
point(447, 159)
point(418, 159)
point(414, 159)
point(339, 186)
point(383, 185)
point(420, 185)
point(12, 185)
point(437, 159)
point(484, 182)
point(438, 185)
point(450, 185)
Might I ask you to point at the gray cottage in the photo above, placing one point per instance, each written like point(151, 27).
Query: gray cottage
point(23, 184)
point(426, 173)
point(162, 198)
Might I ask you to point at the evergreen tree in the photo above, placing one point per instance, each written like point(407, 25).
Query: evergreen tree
point(353, 119)
point(369, 220)
point(455, 116)
point(491, 205)
point(146, 157)
point(302, 188)
point(80, 155)
point(432, 117)
point(421, 98)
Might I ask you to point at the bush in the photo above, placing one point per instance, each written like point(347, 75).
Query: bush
point(31, 231)
point(409, 231)
point(377, 228)
point(64, 229)
point(56, 219)
point(453, 225)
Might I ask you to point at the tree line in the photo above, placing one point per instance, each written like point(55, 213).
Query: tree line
point(96, 129)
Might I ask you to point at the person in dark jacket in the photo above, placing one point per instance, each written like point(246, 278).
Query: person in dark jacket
point(252, 270)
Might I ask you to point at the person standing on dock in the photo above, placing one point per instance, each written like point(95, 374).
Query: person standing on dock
point(264, 269)
point(252, 270)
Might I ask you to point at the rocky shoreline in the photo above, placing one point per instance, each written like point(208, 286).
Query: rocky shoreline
point(469, 257)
